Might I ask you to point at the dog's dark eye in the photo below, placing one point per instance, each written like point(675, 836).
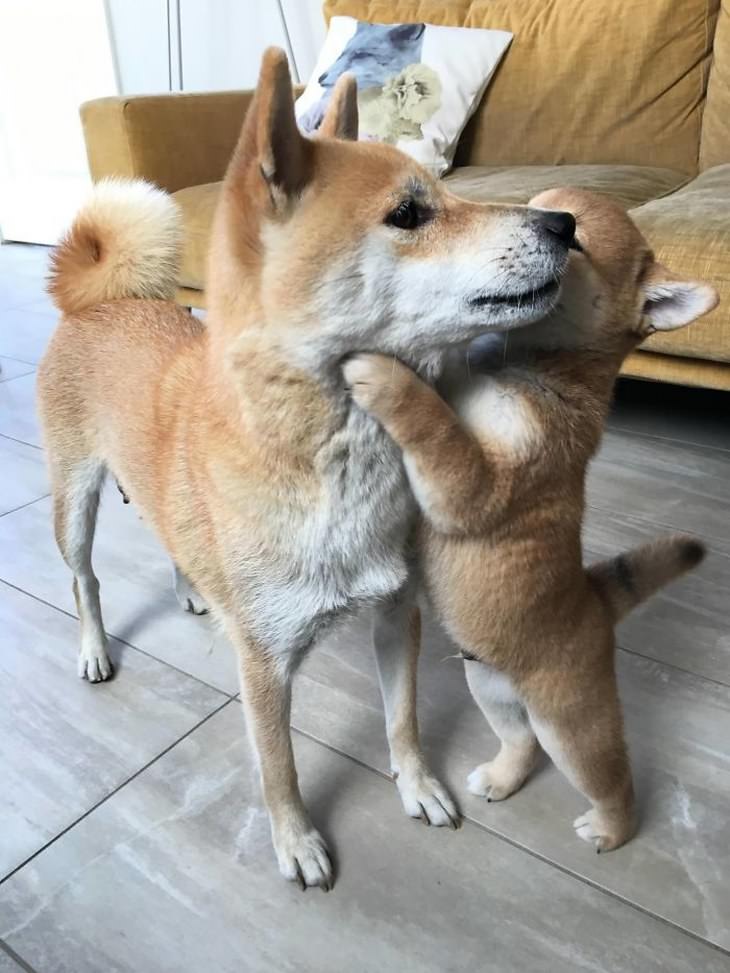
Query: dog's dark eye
point(406, 216)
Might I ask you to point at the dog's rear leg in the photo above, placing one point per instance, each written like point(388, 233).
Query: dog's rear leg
point(505, 713)
point(266, 692)
point(76, 490)
point(397, 640)
point(186, 593)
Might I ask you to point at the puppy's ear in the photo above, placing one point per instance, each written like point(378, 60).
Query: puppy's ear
point(670, 302)
point(341, 119)
point(271, 149)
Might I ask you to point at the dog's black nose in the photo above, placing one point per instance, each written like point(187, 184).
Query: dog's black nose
point(561, 225)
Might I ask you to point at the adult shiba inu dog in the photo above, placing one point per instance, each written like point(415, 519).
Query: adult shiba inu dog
point(283, 504)
point(499, 474)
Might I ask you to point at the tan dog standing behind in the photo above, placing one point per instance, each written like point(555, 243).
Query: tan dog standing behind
point(283, 504)
point(500, 477)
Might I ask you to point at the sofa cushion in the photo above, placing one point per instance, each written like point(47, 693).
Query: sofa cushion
point(715, 143)
point(198, 206)
point(621, 81)
point(690, 233)
point(629, 185)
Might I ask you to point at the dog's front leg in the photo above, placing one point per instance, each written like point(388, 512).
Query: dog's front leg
point(266, 693)
point(396, 640)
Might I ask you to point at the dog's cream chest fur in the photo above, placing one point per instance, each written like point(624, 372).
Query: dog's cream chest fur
point(350, 550)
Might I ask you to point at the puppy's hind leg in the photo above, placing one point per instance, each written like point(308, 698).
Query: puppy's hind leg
point(582, 731)
point(76, 488)
point(507, 716)
point(396, 640)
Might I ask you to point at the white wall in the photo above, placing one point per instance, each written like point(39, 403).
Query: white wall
point(221, 41)
point(306, 28)
point(138, 32)
point(54, 54)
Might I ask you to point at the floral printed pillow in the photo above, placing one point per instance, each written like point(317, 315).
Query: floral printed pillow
point(417, 84)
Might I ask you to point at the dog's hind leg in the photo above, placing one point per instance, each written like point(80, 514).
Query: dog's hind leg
point(496, 698)
point(396, 640)
point(187, 595)
point(76, 488)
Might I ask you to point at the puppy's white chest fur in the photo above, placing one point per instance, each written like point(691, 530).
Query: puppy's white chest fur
point(492, 406)
point(346, 552)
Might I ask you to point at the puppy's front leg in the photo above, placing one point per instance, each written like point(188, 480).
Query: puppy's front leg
point(266, 693)
point(448, 472)
point(396, 641)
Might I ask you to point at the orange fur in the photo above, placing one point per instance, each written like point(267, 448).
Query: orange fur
point(500, 476)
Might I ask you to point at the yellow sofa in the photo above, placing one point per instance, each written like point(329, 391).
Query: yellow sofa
point(630, 98)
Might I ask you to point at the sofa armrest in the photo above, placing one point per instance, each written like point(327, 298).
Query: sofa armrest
point(174, 140)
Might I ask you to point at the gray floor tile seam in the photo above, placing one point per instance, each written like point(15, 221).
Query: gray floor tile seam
point(611, 426)
point(115, 790)
point(658, 438)
point(129, 645)
point(28, 503)
point(16, 378)
point(673, 666)
point(16, 957)
point(4, 381)
point(14, 439)
point(22, 361)
point(519, 846)
point(710, 542)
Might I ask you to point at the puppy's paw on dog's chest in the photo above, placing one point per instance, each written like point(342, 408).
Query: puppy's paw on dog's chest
point(377, 383)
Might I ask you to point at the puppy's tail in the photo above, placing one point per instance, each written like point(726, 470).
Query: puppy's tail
point(625, 581)
point(125, 242)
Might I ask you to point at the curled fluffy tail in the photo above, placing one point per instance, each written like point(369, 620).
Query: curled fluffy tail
point(625, 581)
point(125, 242)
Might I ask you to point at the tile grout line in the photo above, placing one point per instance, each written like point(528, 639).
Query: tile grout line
point(661, 524)
point(21, 361)
point(17, 378)
point(500, 836)
point(656, 437)
point(639, 434)
point(672, 665)
point(115, 790)
point(24, 505)
point(129, 645)
point(14, 439)
point(16, 957)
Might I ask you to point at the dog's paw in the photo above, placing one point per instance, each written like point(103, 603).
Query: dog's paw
point(424, 797)
point(376, 382)
point(93, 662)
point(601, 831)
point(188, 598)
point(303, 858)
point(492, 782)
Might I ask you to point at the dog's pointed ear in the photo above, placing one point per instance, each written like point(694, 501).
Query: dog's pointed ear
point(341, 119)
point(671, 302)
point(271, 144)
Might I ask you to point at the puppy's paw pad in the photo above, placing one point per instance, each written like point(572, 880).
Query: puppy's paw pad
point(483, 781)
point(424, 797)
point(592, 829)
point(304, 859)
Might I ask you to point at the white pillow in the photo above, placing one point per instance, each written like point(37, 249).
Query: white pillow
point(417, 84)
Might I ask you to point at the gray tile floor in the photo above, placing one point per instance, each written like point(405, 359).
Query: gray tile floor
point(132, 836)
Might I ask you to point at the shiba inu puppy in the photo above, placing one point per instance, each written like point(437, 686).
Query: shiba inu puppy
point(282, 504)
point(498, 468)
